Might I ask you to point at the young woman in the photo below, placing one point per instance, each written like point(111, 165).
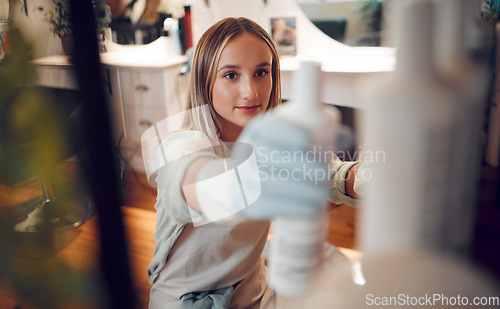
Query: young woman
point(235, 76)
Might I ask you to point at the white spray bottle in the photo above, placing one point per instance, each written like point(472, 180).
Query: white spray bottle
point(296, 246)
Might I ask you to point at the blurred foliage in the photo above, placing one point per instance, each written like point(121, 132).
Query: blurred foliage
point(29, 120)
point(59, 18)
point(29, 126)
point(58, 15)
point(491, 12)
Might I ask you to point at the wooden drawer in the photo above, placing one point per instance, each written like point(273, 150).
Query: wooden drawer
point(139, 117)
point(143, 87)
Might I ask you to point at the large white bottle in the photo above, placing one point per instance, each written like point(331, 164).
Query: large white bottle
point(409, 119)
point(469, 82)
point(296, 244)
point(408, 125)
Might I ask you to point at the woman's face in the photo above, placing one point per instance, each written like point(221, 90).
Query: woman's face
point(243, 83)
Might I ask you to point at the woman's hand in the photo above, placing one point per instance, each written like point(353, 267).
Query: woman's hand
point(291, 180)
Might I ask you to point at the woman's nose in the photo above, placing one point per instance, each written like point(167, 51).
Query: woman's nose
point(248, 89)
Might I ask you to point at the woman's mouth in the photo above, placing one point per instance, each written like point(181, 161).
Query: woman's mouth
point(248, 109)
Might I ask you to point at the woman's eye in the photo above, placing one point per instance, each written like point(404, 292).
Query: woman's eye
point(230, 75)
point(261, 73)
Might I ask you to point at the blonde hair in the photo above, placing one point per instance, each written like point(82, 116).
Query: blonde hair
point(204, 68)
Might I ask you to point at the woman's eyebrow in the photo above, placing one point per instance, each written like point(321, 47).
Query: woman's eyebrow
point(263, 64)
point(229, 66)
point(232, 66)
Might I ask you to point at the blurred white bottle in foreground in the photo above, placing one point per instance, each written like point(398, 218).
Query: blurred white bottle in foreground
point(296, 244)
point(411, 118)
point(469, 82)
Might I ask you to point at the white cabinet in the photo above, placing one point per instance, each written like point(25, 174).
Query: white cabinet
point(141, 97)
point(144, 100)
point(146, 96)
point(142, 89)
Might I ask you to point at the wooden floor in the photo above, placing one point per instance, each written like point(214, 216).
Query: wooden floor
point(78, 252)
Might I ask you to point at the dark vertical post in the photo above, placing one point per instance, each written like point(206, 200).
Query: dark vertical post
point(100, 169)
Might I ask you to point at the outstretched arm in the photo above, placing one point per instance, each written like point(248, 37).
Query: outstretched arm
point(189, 192)
point(259, 180)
